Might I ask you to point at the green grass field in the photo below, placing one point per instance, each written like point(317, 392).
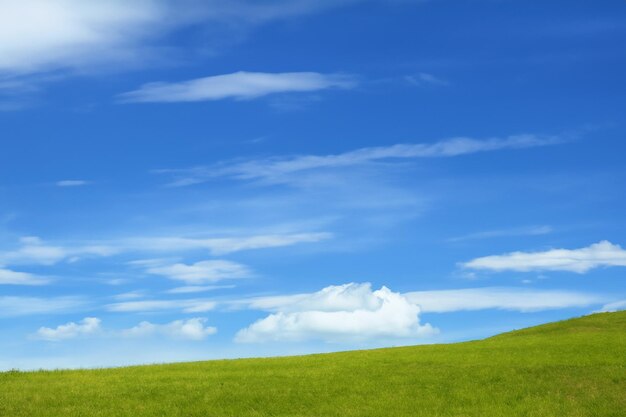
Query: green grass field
point(571, 368)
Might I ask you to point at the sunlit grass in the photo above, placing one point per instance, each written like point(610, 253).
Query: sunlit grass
point(571, 368)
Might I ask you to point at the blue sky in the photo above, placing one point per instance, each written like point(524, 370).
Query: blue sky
point(194, 180)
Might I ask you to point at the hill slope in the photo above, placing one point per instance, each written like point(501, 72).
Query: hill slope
point(571, 368)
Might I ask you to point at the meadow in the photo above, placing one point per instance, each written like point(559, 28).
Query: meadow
point(571, 368)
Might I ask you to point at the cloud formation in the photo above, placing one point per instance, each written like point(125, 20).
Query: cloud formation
point(239, 85)
point(189, 329)
point(49, 35)
point(601, 254)
point(9, 277)
point(278, 168)
point(12, 306)
point(86, 327)
point(33, 250)
point(511, 299)
point(145, 306)
point(202, 272)
point(341, 313)
point(71, 183)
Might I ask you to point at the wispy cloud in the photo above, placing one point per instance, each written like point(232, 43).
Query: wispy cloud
point(186, 306)
point(202, 272)
point(239, 85)
point(71, 183)
point(512, 299)
point(9, 277)
point(25, 306)
point(519, 231)
point(276, 169)
point(422, 78)
point(33, 250)
point(223, 245)
point(601, 254)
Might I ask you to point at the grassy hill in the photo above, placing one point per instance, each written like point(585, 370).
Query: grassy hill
point(571, 368)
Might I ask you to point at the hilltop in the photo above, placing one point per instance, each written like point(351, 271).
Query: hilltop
point(570, 368)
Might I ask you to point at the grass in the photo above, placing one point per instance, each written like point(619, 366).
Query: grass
point(570, 368)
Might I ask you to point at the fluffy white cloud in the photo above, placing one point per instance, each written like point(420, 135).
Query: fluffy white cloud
point(279, 169)
point(87, 327)
point(514, 299)
point(202, 272)
point(601, 254)
point(190, 329)
point(340, 313)
point(186, 306)
point(239, 85)
point(8, 277)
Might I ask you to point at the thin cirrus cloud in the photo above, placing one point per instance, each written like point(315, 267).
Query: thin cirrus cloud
point(279, 168)
point(350, 312)
point(239, 86)
point(9, 277)
point(511, 299)
point(582, 260)
point(71, 183)
point(34, 251)
point(14, 306)
point(145, 306)
point(202, 272)
point(489, 234)
point(189, 329)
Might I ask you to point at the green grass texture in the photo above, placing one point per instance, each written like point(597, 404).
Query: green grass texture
point(570, 368)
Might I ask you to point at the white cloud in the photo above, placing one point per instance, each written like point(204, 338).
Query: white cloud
point(190, 289)
point(11, 306)
point(8, 277)
point(341, 313)
point(513, 299)
point(223, 245)
point(87, 327)
point(239, 85)
point(190, 329)
point(202, 272)
point(186, 306)
point(520, 231)
point(48, 35)
point(601, 254)
point(277, 169)
point(34, 251)
point(441, 301)
point(613, 307)
point(71, 183)
point(423, 78)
